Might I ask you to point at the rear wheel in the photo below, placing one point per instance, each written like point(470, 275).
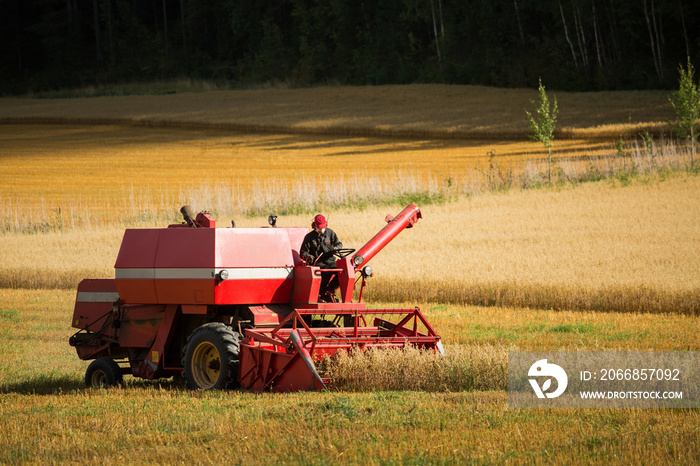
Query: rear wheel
point(103, 372)
point(211, 357)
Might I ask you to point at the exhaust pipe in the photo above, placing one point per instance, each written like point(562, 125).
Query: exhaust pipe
point(188, 215)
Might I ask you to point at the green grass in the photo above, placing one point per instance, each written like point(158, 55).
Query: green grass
point(49, 416)
point(149, 424)
point(9, 315)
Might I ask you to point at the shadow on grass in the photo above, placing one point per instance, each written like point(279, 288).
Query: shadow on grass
point(50, 384)
point(53, 384)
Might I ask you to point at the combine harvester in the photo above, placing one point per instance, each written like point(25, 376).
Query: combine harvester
point(233, 307)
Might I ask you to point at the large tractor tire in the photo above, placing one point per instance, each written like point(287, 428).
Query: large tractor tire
point(103, 372)
point(212, 357)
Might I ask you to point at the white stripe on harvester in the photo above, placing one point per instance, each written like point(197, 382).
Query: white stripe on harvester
point(135, 273)
point(249, 273)
point(97, 296)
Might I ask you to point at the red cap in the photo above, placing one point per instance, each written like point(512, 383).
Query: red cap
point(320, 221)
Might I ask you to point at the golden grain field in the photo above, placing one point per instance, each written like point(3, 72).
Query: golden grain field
point(92, 171)
point(414, 111)
point(57, 177)
point(598, 246)
point(121, 158)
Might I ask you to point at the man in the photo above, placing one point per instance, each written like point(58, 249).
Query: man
point(316, 249)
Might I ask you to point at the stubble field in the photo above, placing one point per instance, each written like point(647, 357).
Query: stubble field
point(610, 264)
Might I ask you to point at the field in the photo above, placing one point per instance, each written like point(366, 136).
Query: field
point(598, 246)
point(250, 151)
point(48, 416)
point(415, 111)
point(500, 261)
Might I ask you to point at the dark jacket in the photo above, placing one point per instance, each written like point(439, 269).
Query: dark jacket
point(314, 245)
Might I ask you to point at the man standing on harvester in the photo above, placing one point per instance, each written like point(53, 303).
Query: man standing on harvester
point(317, 249)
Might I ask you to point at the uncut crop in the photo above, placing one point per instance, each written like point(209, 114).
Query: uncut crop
point(623, 244)
point(66, 176)
point(602, 247)
point(461, 368)
point(607, 246)
point(123, 159)
point(419, 112)
point(62, 177)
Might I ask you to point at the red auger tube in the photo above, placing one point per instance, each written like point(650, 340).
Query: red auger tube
point(406, 219)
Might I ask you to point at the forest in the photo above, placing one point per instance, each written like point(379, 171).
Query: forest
point(571, 45)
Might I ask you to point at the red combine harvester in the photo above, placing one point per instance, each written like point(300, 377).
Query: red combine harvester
point(233, 307)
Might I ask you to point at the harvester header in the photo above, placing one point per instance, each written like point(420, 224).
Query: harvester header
point(233, 307)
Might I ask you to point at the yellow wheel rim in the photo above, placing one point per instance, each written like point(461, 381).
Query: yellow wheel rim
point(206, 365)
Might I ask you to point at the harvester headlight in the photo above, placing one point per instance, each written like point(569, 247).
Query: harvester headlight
point(222, 275)
point(358, 260)
point(367, 271)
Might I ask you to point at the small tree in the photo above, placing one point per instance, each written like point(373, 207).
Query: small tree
point(686, 107)
point(543, 124)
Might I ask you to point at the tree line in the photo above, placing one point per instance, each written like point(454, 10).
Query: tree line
point(569, 44)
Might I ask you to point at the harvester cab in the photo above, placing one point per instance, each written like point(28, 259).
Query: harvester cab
point(233, 307)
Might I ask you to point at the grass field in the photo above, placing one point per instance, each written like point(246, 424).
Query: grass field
point(168, 426)
point(49, 416)
point(500, 261)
